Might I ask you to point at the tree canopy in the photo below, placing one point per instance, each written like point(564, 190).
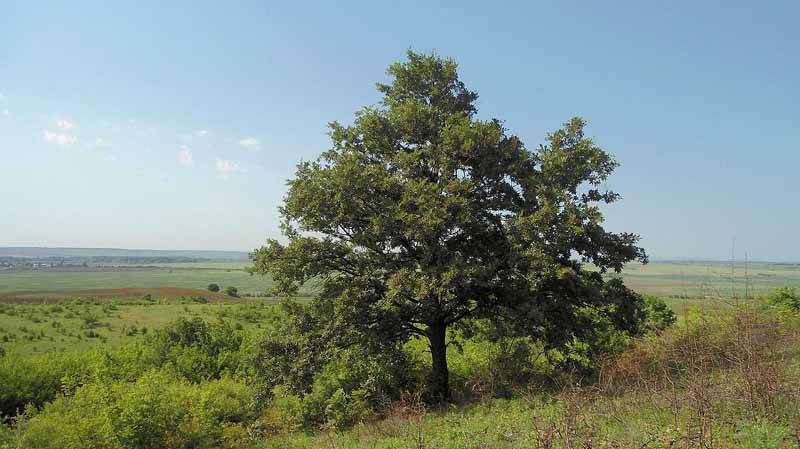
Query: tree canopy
point(422, 217)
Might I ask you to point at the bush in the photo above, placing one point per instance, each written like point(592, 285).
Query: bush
point(786, 300)
point(483, 368)
point(354, 386)
point(285, 412)
point(348, 389)
point(34, 380)
point(232, 291)
point(197, 350)
point(294, 363)
point(155, 411)
point(213, 288)
point(659, 315)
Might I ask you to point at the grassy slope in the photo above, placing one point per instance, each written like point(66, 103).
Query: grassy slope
point(632, 421)
point(726, 381)
point(30, 328)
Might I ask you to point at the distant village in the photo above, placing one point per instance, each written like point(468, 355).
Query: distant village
point(8, 263)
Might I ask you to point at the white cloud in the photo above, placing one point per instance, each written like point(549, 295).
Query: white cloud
point(202, 132)
point(251, 143)
point(225, 168)
point(2, 97)
point(59, 139)
point(64, 124)
point(100, 142)
point(185, 156)
point(5, 112)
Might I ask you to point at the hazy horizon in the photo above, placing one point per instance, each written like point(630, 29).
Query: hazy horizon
point(5, 252)
point(176, 126)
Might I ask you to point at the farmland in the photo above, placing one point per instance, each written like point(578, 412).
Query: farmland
point(81, 282)
point(667, 279)
point(45, 310)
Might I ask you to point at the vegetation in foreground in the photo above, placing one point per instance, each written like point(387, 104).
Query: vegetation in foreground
point(724, 380)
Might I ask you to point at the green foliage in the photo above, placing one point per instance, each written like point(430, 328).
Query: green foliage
point(232, 291)
point(422, 216)
point(659, 315)
point(763, 435)
point(197, 350)
point(213, 287)
point(156, 411)
point(786, 300)
point(335, 385)
point(285, 413)
point(32, 380)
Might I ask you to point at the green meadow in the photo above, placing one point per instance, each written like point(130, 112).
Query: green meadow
point(676, 280)
point(78, 325)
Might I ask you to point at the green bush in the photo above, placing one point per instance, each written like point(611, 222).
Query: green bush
point(786, 300)
point(764, 435)
point(659, 315)
point(335, 387)
point(213, 287)
point(155, 411)
point(232, 291)
point(33, 380)
point(353, 386)
point(197, 350)
point(193, 350)
point(285, 412)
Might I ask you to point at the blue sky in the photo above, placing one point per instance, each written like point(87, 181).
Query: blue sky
point(148, 126)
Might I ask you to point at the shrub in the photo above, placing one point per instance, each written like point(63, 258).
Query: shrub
point(285, 412)
point(213, 287)
point(336, 387)
point(34, 380)
point(353, 386)
point(763, 435)
point(232, 291)
point(197, 350)
point(659, 315)
point(155, 411)
point(786, 300)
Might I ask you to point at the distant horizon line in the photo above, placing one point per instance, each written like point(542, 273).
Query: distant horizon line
point(246, 252)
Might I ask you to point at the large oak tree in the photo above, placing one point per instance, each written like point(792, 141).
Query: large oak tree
point(422, 217)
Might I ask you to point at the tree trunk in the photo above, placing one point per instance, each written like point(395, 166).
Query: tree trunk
point(440, 376)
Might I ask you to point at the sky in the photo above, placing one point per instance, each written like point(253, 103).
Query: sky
point(175, 125)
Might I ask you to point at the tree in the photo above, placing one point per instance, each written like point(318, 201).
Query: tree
point(232, 291)
point(213, 288)
point(422, 217)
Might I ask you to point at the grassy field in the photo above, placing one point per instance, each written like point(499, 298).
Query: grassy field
point(701, 280)
point(53, 283)
point(79, 325)
point(676, 280)
point(116, 293)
